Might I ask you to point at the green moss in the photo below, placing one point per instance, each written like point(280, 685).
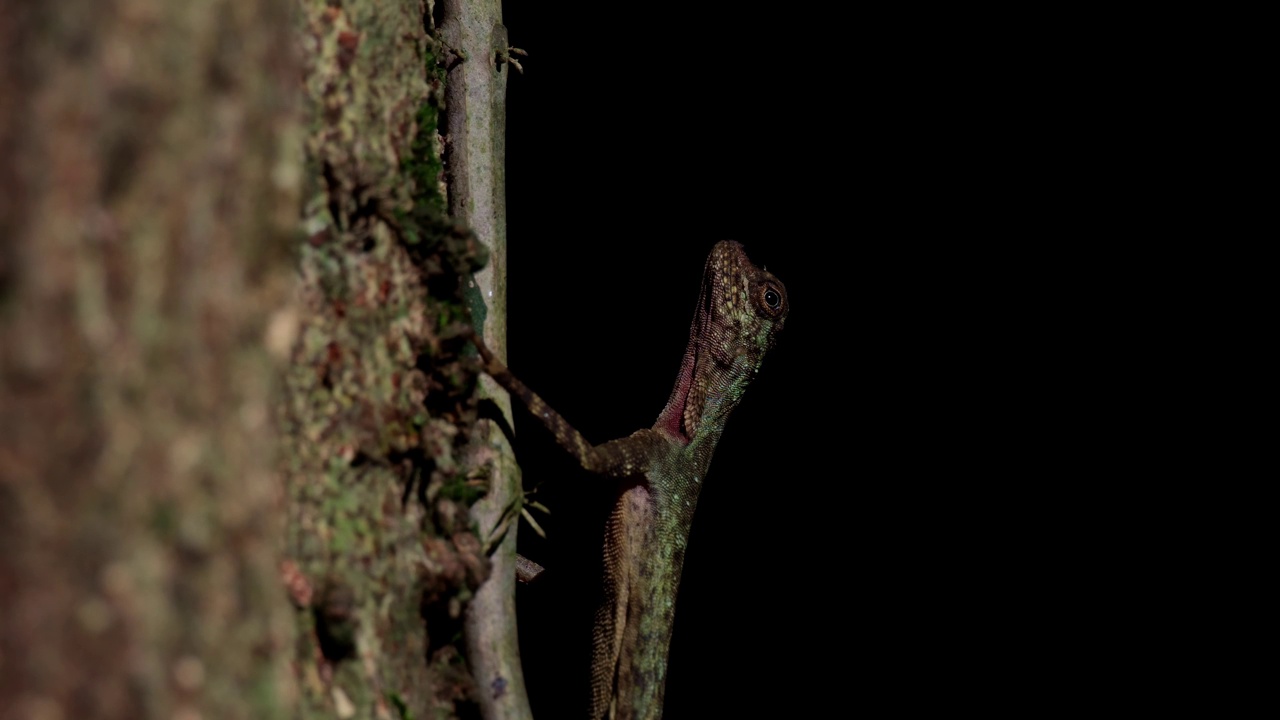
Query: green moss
point(164, 520)
point(344, 534)
point(401, 706)
point(459, 490)
point(424, 165)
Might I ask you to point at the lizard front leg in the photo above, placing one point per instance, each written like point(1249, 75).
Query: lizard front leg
point(629, 457)
point(624, 457)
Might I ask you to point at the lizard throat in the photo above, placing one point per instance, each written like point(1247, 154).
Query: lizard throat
point(683, 412)
point(675, 418)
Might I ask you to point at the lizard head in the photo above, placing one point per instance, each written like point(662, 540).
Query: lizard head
point(740, 312)
point(742, 307)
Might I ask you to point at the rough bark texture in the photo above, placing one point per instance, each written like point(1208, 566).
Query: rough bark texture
point(379, 407)
point(145, 188)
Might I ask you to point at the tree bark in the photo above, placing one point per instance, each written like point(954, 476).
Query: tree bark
point(188, 379)
point(379, 404)
point(146, 181)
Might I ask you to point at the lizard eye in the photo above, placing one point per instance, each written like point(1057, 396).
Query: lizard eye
point(772, 298)
point(769, 298)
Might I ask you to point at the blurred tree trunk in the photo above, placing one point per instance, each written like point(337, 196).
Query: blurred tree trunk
point(187, 378)
point(146, 182)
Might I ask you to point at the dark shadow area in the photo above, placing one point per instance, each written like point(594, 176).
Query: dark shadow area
point(886, 506)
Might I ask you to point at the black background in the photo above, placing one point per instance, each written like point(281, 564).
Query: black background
point(885, 518)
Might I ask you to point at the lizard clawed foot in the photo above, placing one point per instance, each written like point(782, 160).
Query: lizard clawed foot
point(504, 56)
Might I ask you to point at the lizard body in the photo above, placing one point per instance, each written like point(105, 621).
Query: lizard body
point(660, 470)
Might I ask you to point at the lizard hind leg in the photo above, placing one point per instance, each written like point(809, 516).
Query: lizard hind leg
point(613, 681)
point(611, 620)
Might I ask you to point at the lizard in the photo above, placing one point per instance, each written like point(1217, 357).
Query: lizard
point(660, 471)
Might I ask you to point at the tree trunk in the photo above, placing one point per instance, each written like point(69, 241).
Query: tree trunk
point(188, 379)
point(476, 120)
point(146, 183)
point(379, 406)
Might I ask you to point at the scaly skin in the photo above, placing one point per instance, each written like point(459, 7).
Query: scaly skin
point(660, 470)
